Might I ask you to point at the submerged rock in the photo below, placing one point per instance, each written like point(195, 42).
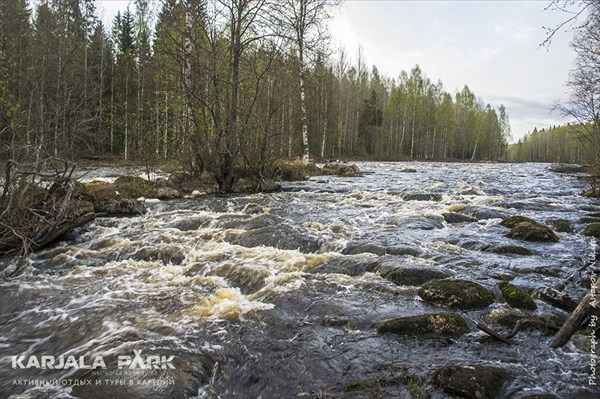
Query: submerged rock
point(425, 222)
point(472, 381)
point(343, 265)
point(445, 324)
point(456, 293)
point(517, 297)
point(593, 230)
point(355, 248)
point(166, 254)
point(280, 236)
point(453, 217)
point(421, 197)
point(511, 249)
point(403, 273)
point(408, 170)
point(404, 250)
point(479, 212)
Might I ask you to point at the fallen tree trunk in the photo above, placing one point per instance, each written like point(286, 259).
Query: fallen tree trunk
point(35, 213)
point(587, 304)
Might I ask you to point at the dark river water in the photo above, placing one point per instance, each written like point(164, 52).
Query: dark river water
point(267, 296)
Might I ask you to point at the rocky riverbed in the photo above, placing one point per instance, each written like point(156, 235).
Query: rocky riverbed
point(339, 286)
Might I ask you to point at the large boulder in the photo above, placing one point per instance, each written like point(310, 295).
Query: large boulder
point(456, 293)
point(438, 324)
point(528, 231)
point(593, 230)
point(340, 169)
point(406, 273)
point(516, 297)
point(472, 381)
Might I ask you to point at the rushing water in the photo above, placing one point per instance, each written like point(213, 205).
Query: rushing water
point(252, 295)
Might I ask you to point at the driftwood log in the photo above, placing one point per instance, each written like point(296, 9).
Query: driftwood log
point(588, 304)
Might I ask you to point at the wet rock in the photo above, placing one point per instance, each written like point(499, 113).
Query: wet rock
point(567, 168)
point(281, 236)
point(513, 221)
point(555, 298)
point(254, 185)
point(425, 222)
point(589, 219)
point(248, 279)
point(408, 170)
point(189, 224)
point(134, 187)
point(189, 373)
point(479, 212)
point(456, 293)
point(166, 254)
point(439, 324)
point(504, 316)
point(402, 273)
point(341, 169)
point(593, 230)
point(422, 197)
point(453, 217)
point(592, 193)
point(511, 250)
point(256, 222)
point(561, 225)
point(517, 297)
point(471, 245)
point(472, 381)
point(343, 265)
point(527, 229)
point(119, 207)
point(355, 248)
point(167, 193)
point(404, 250)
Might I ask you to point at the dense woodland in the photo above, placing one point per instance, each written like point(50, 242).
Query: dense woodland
point(219, 86)
point(558, 144)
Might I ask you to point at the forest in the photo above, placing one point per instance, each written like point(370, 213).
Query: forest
point(219, 87)
point(558, 144)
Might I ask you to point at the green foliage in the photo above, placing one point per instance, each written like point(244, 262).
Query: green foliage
point(558, 144)
point(200, 93)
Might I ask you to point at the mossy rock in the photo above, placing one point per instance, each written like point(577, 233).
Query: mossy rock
point(455, 293)
point(516, 297)
point(439, 324)
point(528, 231)
point(513, 221)
point(134, 187)
point(561, 225)
point(511, 250)
point(593, 230)
point(472, 381)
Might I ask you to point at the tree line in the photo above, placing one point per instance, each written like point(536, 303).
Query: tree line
point(558, 144)
point(223, 86)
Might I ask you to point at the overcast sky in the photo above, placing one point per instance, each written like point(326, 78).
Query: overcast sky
point(492, 46)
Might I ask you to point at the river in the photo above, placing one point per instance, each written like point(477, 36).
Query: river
point(267, 295)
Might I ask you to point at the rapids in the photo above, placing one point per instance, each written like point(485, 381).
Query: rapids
point(267, 295)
